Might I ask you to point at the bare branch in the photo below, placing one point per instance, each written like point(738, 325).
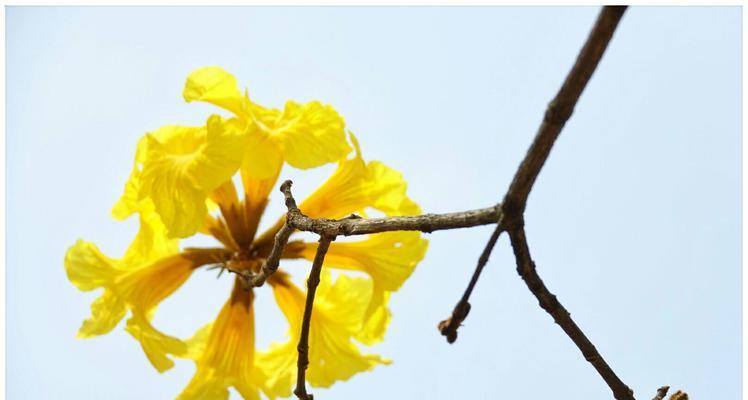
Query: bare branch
point(311, 289)
point(354, 225)
point(561, 107)
point(449, 326)
point(558, 112)
point(549, 302)
point(508, 216)
point(270, 265)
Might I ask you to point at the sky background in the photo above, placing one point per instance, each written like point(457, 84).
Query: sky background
point(634, 223)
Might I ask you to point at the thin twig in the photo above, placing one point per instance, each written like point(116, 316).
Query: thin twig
point(449, 326)
point(354, 225)
point(549, 302)
point(661, 393)
point(270, 265)
point(311, 289)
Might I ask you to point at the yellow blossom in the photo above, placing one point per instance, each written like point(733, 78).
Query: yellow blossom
point(182, 183)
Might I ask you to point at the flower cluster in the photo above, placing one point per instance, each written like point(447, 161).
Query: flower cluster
point(185, 181)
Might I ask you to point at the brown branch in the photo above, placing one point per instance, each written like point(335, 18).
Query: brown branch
point(354, 225)
point(311, 289)
point(549, 302)
point(560, 109)
point(661, 393)
point(558, 112)
point(508, 216)
point(270, 265)
point(449, 326)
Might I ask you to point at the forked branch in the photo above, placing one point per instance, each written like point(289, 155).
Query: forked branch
point(558, 112)
point(508, 216)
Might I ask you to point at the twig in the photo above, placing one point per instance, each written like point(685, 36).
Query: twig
point(661, 393)
point(270, 265)
point(354, 225)
point(311, 289)
point(549, 302)
point(449, 326)
point(360, 226)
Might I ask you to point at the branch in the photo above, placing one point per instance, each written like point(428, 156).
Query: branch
point(549, 302)
point(558, 112)
point(449, 326)
point(560, 108)
point(355, 225)
point(303, 347)
point(270, 265)
point(509, 216)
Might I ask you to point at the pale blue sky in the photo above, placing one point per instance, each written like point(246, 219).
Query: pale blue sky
point(635, 223)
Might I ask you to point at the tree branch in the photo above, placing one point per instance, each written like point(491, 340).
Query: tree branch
point(449, 326)
point(311, 289)
point(355, 225)
point(558, 112)
point(509, 216)
point(270, 265)
point(549, 302)
point(560, 108)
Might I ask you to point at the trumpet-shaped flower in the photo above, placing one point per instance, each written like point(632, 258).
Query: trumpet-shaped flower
point(182, 184)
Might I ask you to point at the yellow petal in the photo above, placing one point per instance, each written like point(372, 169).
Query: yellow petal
point(228, 356)
point(376, 318)
point(196, 344)
point(355, 185)
point(129, 202)
point(389, 257)
point(106, 312)
point(151, 242)
point(332, 355)
point(257, 187)
point(216, 86)
point(139, 288)
point(263, 157)
point(183, 164)
point(311, 134)
point(88, 268)
point(145, 287)
point(155, 344)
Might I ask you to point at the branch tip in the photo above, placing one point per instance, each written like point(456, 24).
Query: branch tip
point(449, 326)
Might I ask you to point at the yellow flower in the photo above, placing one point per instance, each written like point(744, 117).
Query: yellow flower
point(180, 174)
